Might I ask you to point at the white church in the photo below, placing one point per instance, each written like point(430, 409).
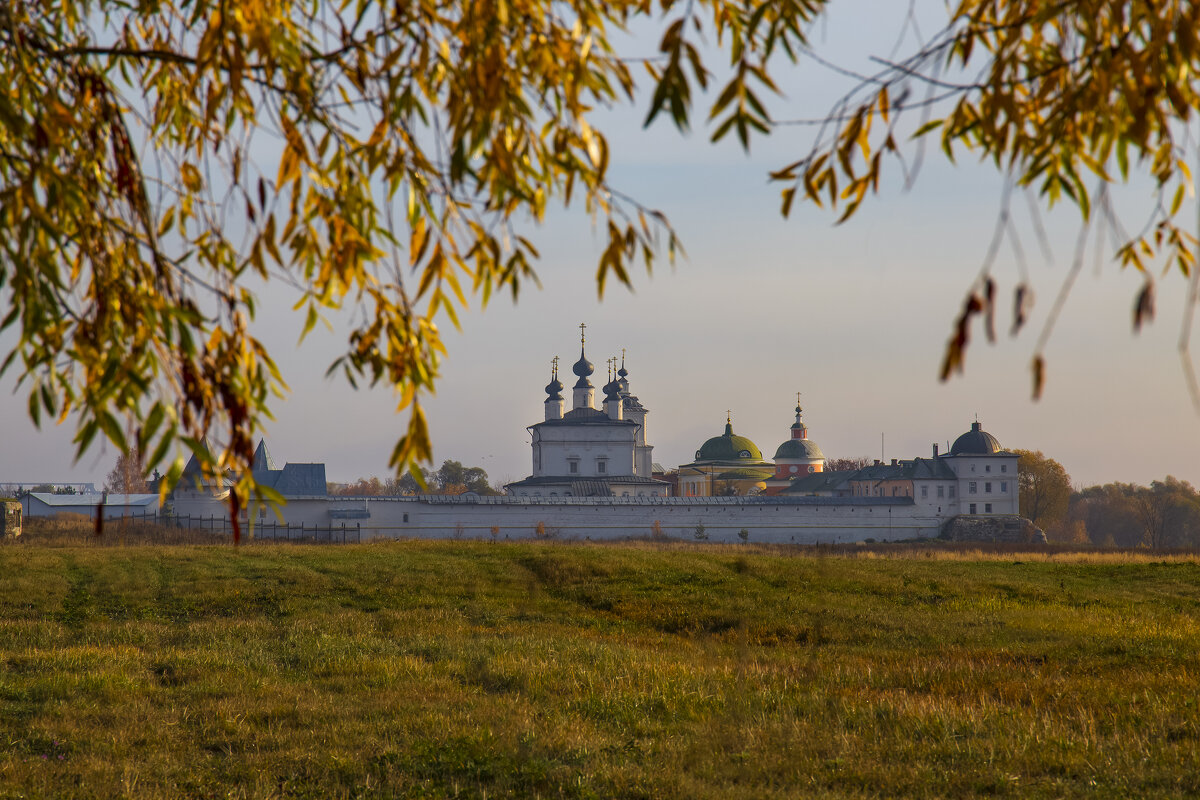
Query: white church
point(590, 452)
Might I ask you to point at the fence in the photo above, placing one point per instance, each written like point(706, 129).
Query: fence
point(262, 530)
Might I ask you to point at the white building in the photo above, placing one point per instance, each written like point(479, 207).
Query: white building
point(976, 478)
point(112, 506)
point(987, 474)
point(591, 452)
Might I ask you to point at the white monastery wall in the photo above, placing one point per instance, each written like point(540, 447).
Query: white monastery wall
point(804, 520)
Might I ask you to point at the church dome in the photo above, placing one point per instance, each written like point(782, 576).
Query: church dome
point(974, 442)
point(582, 367)
point(729, 447)
point(799, 448)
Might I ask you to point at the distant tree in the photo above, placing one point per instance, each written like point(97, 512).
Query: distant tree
point(846, 464)
point(64, 490)
point(407, 484)
point(1108, 514)
point(1044, 487)
point(1167, 512)
point(363, 487)
point(43, 488)
point(453, 478)
point(127, 475)
point(1072, 532)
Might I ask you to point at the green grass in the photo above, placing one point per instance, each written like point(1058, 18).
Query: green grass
point(459, 669)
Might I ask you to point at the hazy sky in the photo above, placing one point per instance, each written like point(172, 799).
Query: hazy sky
point(854, 316)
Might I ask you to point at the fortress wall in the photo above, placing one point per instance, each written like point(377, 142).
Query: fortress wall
point(825, 520)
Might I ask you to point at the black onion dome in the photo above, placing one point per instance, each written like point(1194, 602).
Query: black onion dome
point(582, 367)
point(976, 441)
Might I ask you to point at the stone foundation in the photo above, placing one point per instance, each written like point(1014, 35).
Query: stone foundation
point(1007, 528)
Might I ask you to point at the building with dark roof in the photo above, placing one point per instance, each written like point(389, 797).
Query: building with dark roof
point(977, 477)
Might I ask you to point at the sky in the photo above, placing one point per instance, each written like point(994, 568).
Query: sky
point(855, 317)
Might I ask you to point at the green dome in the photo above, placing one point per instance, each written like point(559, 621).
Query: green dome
point(729, 447)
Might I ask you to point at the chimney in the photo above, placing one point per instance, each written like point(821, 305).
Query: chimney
point(893, 462)
point(935, 449)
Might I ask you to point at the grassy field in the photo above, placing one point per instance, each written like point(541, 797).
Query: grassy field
point(460, 669)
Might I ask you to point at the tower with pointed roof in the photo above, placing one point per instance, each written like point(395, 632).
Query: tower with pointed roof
point(799, 455)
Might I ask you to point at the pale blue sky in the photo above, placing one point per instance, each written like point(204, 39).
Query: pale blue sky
point(855, 317)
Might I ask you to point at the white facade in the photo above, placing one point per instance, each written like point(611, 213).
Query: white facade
point(590, 451)
point(987, 484)
point(799, 520)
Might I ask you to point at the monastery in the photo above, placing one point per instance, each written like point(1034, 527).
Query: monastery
point(593, 477)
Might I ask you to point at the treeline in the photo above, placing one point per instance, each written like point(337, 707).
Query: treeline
point(1164, 514)
point(450, 478)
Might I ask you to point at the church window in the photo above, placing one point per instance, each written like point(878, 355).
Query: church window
point(406, 517)
point(951, 491)
point(941, 492)
point(972, 508)
point(987, 508)
point(988, 468)
point(573, 466)
point(987, 487)
point(601, 466)
point(1004, 467)
point(972, 488)
point(924, 492)
point(1003, 487)
point(791, 469)
point(811, 468)
point(744, 454)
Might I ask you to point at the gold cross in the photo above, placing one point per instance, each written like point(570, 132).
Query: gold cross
point(581, 327)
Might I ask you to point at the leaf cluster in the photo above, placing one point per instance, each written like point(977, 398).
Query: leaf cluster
point(379, 158)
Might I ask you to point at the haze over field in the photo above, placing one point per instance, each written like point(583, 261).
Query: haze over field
point(855, 317)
